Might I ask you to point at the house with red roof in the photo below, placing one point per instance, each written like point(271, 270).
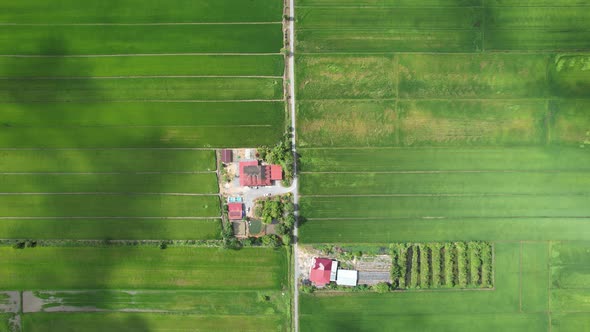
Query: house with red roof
point(323, 271)
point(253, 174)
point(236, 211)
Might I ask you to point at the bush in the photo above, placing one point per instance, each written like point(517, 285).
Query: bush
point(287, 239)
point(461, 264)
point(290, 220)
point(307, 289)
point(163, 245)
point(436, 264)
point(382, 288)
point(449, 262)
point(19, 245)
point(271, 240)
point(281, 229)
point(424, 267)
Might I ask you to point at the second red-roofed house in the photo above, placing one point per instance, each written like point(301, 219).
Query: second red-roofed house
point(235, 211)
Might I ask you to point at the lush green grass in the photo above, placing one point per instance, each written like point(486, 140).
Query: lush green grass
point(142, 268)
point(156, 322)
point(457, 76)
point(383, 18)
point(139, 160)
point(361, 41)
point(97, 205)
point(345, 76)
point(444, 206)
point(115, 229)
point(4, 322)
point(202, 183)
point(145, 39)
point(568, 75)
point(181, 114)
point(162, 65)
point(445, 183)
point(571, 123)
point(140, 137)
point(429, 310)
point(140, 11)
point(570, 265)
point(464, 123)
point(195, 302)
point(140, 89)
point(570, 322)
point(538, 28)
point(535, 277)
point(326, 123)
point(445, 159)
point(389, 3)
point(452, 229)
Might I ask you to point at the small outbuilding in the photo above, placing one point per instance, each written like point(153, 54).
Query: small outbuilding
point(227, 156)
point(347, 277)
point(276, 172)
point(236, 211)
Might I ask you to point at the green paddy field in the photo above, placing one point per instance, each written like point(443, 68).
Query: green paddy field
point(449, 121)
point(110, 115)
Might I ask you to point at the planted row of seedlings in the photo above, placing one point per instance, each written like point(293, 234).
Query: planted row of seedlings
point(442, 265)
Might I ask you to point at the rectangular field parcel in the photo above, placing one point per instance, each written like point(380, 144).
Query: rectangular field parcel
point(453, 121)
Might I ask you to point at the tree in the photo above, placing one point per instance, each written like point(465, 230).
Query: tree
point(290, 220)
point(287, 239)
point(281, 229)
point(271, 240)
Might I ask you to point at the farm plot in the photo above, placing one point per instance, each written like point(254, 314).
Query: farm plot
point(470, 145)
point(142, 268)
point(442, 265)
point(158, 322)
point(138, 11)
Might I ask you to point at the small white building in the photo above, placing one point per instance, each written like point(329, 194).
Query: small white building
point(347, 277)
point(334, 271)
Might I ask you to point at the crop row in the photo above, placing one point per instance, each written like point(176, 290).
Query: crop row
point(442, 265)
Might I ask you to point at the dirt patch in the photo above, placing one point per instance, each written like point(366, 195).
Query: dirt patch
point(10, 302)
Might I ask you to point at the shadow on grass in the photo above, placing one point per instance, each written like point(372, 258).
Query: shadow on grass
point(27, 97)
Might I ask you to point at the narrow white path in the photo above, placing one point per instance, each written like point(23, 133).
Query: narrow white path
point(291, 98)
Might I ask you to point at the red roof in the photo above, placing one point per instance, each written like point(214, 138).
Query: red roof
point(235, 210)
point(320, 271)
point(276, 172)
point(252, 174)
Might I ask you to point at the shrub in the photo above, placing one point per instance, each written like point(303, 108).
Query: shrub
point(486, 268)
point(307, 289)
point(287, 239)
point(382, 288)
point(271, 240)
point(415, 268)
point(424, 267)
point(461, 264)
point(19, 245)
point(474, 249)
point(290, 220)
point(403, 261)
point(449, 262)
point(163, 245)
point(436, 263)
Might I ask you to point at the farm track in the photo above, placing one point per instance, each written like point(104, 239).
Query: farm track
point(128, 55)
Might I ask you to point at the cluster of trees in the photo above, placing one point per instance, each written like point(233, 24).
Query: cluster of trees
point(280, 209)
point(442, 265)
point(22, 244)
point(280, 154)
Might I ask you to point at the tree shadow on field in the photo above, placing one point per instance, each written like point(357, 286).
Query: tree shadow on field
point(32, 126)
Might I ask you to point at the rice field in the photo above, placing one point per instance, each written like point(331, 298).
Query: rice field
point(447, 121)
point(111, 114)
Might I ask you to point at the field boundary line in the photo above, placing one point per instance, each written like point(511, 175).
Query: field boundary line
point(456, 218)
point(130, 77)
point(106, 173)
point(132, 54)
point(447, 195)
point(520, 279)
point(137, 24)
point(515, 52)
point(549, 288)
point(109, 217)
point(92, 149)
point(150, 101)
point(541, 171)
point(148, 126)
point(103, 193)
